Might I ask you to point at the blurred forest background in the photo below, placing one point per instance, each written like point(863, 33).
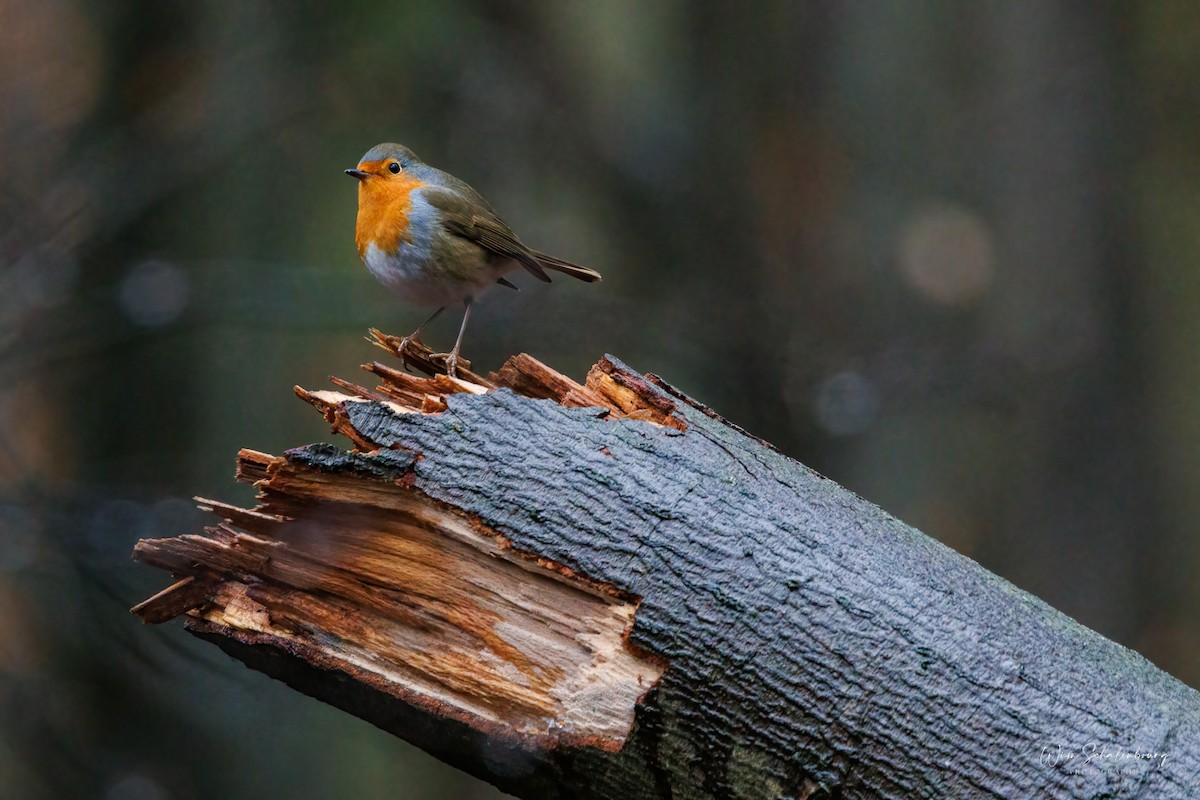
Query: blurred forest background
point(945, 253)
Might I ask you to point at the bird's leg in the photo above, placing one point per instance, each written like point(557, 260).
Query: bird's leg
point(415, 336)
point(452, 356)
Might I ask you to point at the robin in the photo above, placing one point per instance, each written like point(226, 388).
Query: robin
point(434, 240)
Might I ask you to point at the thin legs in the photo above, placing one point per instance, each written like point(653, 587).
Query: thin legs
point(450, 359)
point(452, 356)
point(415, 336)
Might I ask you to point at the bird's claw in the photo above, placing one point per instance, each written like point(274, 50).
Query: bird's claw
point(449, 361)
point(403, 348)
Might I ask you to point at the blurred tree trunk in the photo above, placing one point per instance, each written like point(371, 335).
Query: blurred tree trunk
point(1010, 423)
point(1078, 498)
point(1162, 43)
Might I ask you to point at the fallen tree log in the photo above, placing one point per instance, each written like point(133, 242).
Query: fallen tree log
point(605, 590)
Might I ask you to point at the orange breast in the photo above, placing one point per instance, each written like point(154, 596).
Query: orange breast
point(383, 205)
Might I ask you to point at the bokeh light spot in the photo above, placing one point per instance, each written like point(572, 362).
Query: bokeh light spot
point(154, 293)
point(136, 787)
point(947, 254)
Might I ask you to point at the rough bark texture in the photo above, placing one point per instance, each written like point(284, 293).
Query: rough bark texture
point(813, 645)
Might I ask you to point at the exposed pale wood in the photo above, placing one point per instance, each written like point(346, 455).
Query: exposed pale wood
point(631, 395)
point(252, 465)
point(527, 376)
point(178, 598)
point(236, 515)
point(357, 389)
point(404, 388)
point(428, 600)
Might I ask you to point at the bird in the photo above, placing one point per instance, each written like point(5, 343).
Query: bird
point(433, 240)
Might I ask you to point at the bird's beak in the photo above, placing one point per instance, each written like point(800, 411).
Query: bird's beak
point(357, 173)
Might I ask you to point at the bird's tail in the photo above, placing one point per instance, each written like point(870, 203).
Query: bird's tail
point(566, 267)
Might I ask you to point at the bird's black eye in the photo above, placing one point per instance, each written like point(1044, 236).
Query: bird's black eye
point(394, 167)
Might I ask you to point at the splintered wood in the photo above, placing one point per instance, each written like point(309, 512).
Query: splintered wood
point(623, 394)
point(352, 568)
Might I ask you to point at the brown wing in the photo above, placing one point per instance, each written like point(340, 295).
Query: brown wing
point(463, 218)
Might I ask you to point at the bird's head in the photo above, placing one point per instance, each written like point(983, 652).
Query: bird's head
point(384, 162)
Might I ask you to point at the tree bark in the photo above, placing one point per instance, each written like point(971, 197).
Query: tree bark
point(605, 590)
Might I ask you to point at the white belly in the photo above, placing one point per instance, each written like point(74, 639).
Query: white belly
point(406, 274)
point(413, 273)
